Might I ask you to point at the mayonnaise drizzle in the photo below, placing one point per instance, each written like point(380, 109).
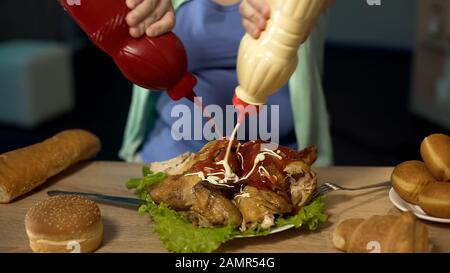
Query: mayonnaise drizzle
point(228, 173)
point(211, 178)
point(259, 158)
point(242, 195)
point(263, 172)
point(242, 159)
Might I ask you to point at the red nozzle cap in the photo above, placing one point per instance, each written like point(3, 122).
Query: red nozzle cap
point(244, 109)
point(184, 88)
point(238, 102)
point(249, 109)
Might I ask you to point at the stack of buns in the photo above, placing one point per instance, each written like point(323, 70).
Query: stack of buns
point(64, 224)
point(427, 183)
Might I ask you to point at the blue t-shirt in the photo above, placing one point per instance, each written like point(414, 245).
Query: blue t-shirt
point(211, 34)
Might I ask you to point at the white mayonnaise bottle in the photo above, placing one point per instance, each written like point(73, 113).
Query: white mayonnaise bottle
point(264, 65)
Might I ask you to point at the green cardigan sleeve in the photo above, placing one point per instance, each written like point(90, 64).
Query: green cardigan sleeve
point(140, 121)
point(307, 97)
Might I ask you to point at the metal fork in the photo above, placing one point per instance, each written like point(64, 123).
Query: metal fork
point(328, 187)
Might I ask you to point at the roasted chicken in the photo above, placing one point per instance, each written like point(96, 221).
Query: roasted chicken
point(263, 184)
point(212, 206)
point(260, 206)
point(176, 191)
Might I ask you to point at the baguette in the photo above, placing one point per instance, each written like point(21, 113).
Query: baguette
point(24, 169)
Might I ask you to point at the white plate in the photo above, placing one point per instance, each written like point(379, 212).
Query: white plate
point(272, 231)
point(405, 206)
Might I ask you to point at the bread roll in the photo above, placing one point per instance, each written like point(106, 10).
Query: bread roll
point(435, 151)
point(341, 235)
point(435, 199)
point(64, 224)
point(384, 234)
point(24, 169)
point(409, 178)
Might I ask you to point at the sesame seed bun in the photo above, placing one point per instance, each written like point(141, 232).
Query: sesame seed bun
point(64, 224)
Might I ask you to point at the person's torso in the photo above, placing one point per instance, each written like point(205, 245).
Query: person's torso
point(211, 34)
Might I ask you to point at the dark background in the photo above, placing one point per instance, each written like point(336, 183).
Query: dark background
point(368, 77)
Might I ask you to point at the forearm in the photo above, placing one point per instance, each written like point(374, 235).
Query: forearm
point(306, 14)
point(255, 13)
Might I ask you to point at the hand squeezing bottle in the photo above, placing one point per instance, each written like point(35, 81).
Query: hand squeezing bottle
point(264, 65)
point(157, 63)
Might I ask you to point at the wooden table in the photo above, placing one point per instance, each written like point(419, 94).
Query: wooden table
point(126, 231)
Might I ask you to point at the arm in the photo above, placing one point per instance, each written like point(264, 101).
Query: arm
point(150, 17)
point(255, 14)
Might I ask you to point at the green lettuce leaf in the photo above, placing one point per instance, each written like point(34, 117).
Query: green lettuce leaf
point(256, 230)
point(149, 179)
point(313, 215)
point(176, 233)
point(179, 235)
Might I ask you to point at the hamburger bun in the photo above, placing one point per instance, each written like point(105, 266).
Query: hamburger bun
point(435, 199)
point(409, 178)
point(435, 151)
point(64, 224)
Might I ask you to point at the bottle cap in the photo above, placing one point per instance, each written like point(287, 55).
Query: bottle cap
point(244, 109)
point(184, 88)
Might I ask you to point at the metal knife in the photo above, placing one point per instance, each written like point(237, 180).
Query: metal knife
point(101, 198)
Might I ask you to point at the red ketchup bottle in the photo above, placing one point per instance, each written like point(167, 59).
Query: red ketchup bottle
point(157, 63)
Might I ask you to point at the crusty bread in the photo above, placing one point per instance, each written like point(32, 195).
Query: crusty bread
point(434, 199)
point(341, 234)
point(409, 178)
point(64, 224)
point(175, 166)
point(388, 233)
point(24, 169)
point(435, 151)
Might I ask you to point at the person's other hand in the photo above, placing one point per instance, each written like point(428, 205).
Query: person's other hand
point(255, 14)
point(150, 17)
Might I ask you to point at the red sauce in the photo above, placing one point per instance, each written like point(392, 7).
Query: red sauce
point(241, 166)
point(215, 154)
point(272, 164)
